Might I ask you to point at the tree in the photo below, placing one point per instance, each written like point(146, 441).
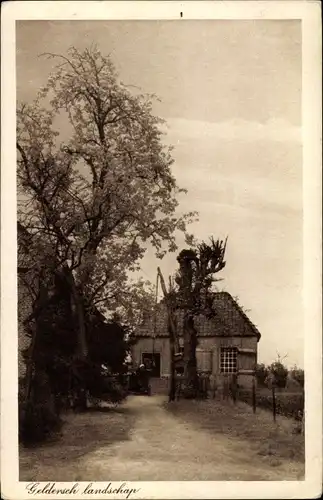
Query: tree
point(298, 375)
point(261, 374)
point(194, 279)
point(105, 190)
point(36, 283)
point(279, 372)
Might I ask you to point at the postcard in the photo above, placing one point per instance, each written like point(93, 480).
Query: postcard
point(160, 250)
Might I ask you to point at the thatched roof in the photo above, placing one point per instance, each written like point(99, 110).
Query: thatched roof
point(228, 319)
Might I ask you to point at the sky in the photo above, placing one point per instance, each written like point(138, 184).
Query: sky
point(230, 92)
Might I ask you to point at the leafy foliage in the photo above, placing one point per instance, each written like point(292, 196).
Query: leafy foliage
point(91, 202)
point(298, 375)
point(279, 373)
point(112, 179)
point(261, 374)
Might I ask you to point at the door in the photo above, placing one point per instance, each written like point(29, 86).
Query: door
point(247, 359)
point(152, 362)
point(204, 360)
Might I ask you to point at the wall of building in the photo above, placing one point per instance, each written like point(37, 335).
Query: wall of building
point(211, 345)
point(160, 345)
point(245, 361)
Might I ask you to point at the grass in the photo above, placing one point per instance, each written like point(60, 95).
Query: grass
point(81, 434)
point(288, 403)
point(273, 442)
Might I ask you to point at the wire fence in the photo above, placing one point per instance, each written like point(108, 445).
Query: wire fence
point(278, 401)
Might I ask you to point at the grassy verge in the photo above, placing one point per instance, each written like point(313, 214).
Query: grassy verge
point(271, 441)
point(288, 404)
point(81, 434)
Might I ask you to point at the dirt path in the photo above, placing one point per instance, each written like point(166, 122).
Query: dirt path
point(158, 446)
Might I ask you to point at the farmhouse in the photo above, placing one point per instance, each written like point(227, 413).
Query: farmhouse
point(227, 342)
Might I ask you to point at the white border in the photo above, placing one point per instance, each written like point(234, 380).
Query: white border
point(309, 13)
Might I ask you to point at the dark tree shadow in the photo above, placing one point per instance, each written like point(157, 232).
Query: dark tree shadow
point(81, 433)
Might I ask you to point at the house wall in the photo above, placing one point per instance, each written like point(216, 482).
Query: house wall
point(245, 361)
point(210, 344)
point(160, 345)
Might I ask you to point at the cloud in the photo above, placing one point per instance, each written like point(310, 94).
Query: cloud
point(240, 164)
point(275, 130)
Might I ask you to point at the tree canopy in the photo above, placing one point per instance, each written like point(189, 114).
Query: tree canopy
point(93, 199)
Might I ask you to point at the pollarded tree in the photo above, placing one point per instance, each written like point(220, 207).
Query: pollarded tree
point(194, 279)
point(109, 180)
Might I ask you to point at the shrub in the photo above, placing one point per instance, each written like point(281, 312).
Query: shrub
point(261, 374)
point(280, 373)
point(99, 385)
point(298, 375)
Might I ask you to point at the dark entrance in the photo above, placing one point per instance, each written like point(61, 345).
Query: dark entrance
point(152, 362)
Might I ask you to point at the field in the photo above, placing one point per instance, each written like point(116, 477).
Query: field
point(288, 403)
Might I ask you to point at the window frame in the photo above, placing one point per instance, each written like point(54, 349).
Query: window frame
point(229, 360)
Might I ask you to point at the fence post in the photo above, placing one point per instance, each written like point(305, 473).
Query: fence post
point(234, 387)
point(274, 401)
point(254, 405)
point(172, 387)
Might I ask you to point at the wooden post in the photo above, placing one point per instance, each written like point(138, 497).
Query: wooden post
point(254, 404)
point(234, 387)
point(171, 331)
point(225, 390)
point(172, 389)
point(179, 387)
point(274, 401)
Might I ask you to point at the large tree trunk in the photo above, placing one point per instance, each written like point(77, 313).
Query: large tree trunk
point(190, 366)
point(78, 309)
point(29, 360)
point(29, 366)
point(33, 330)
point(81, 347)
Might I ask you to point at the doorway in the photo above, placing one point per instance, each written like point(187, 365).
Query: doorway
point(152, 362)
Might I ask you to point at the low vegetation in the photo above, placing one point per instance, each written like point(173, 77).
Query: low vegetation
point(288, 404)
point(272, 441)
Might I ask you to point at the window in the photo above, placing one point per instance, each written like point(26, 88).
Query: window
point(229, 359)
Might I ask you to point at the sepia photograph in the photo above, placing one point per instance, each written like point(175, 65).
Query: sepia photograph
point(160, 252)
